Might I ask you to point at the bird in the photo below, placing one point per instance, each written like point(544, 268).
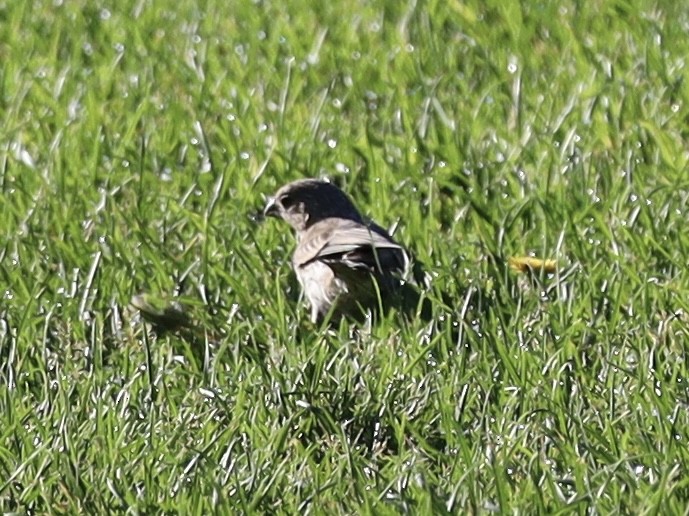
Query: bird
point(346, 264)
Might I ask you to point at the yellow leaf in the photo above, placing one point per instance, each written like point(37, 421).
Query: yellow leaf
point(528, 263)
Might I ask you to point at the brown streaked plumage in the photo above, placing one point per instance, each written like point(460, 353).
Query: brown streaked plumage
point(342, 261)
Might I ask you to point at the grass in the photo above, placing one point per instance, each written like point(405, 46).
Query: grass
point(136, 140)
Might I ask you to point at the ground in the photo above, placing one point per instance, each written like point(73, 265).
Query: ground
point(138, 139)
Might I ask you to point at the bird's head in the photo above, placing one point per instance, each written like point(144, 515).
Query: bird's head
point(304, 202)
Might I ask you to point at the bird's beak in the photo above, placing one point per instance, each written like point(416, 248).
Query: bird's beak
point(271, 209)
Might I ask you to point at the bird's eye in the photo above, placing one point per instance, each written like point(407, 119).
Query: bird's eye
point(286, 201)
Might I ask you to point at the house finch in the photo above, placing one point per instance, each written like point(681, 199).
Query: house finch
point(343, 262)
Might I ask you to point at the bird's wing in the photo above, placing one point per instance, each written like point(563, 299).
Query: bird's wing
point(352, 244)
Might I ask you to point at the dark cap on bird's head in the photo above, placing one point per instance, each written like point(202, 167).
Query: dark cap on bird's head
point(304, 202)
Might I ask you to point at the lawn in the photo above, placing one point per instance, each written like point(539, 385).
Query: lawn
point(137, 140)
